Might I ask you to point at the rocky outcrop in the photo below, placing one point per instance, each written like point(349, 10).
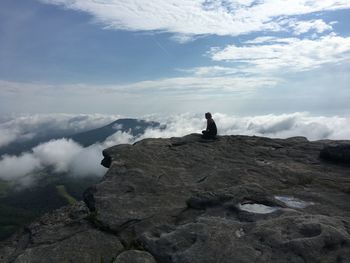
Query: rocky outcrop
point(234, 199)
point(65, 235)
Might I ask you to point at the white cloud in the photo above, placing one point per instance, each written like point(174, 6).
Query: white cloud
point(285, 125)
point(57, 154)
point(118, 138)
point(13, 167)
point(286, 54)
point(188, 18)
point(60, 156)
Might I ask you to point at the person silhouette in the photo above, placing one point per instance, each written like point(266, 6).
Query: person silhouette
point(211, 131)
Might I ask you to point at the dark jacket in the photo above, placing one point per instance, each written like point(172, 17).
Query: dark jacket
point(211, 127)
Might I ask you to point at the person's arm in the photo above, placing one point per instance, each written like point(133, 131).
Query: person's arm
point(208, 124)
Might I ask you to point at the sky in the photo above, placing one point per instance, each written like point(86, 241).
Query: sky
point(137, 57)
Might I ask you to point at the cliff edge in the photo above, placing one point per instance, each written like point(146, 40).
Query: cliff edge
point(234, 199)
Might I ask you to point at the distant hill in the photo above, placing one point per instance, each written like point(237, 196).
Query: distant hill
point(134, 126)
point(18, 207)
point(17, 147)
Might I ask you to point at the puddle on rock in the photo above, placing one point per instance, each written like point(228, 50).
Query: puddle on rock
point(257, 208)
point(293, 202)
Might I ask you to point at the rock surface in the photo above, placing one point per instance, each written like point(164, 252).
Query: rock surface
point(62, 236)
point(135, 256)
point(181, 199)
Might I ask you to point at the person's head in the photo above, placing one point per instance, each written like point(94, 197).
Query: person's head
point(208, 115)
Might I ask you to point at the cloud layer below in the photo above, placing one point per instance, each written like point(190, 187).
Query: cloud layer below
point(27, 127)
point(66, 156)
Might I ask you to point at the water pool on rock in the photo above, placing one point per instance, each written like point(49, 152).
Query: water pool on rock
point(293, 202)
point(257, 208)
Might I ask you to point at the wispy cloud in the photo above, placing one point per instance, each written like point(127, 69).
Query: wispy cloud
point(213, 71)
point(197, 83)
point(291, 54)
point(188, 18)
point(302, 27)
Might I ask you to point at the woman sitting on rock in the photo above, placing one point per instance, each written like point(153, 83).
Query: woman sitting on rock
point(211, 131)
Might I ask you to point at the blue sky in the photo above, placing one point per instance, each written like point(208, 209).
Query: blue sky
point(139, 57)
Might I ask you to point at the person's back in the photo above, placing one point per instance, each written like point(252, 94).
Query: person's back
point(211, 127)
point(211, 131)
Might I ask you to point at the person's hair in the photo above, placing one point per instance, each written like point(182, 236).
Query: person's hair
point(208, 115)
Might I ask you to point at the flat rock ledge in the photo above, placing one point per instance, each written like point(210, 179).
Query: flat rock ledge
point(188, 200)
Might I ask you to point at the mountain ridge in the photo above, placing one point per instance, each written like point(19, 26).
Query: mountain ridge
point(134, 126)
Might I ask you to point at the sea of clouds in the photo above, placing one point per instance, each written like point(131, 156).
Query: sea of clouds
point(66, 156)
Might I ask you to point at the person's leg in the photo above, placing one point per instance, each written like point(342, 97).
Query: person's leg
point(204, 134)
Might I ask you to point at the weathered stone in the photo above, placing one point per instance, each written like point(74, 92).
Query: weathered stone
point(312, 238)
point(62, 236)
point(86, 246)
point(182, 199)
point(160, 182)
point(210, 239)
